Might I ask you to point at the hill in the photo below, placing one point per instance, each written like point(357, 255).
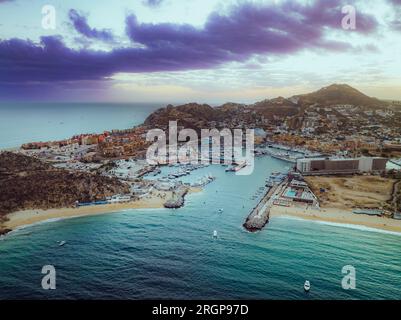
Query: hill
point(195, 116)
point(337, 94)
point(28, 183)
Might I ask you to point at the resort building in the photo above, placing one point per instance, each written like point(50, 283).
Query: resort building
point(298, 191)
point(316, 166)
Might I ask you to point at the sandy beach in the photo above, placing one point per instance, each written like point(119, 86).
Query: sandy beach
point(27, 217)
point(335, 215)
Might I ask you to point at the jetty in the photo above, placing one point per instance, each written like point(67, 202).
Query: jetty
point(177, 199)
point(260, 215)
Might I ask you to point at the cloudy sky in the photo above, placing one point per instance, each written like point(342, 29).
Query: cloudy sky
point(210, 51)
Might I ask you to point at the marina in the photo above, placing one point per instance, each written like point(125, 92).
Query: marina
point(184, 238)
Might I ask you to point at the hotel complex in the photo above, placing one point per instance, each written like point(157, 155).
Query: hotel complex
point(319, 166)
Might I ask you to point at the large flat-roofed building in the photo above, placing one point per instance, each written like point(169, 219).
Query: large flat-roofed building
point(314, 166)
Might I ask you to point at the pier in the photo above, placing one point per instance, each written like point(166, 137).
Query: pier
point(260, 215)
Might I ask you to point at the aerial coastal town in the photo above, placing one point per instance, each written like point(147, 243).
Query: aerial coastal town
point(343, 149)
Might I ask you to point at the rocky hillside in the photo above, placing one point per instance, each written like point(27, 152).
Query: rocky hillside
point(276, 107)
point(191, 115)
point(338, 94)
point(197, 116)
point(28, 183)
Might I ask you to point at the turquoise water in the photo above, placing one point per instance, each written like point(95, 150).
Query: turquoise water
point(291, 193)
point(26, 122)
point(161, 253)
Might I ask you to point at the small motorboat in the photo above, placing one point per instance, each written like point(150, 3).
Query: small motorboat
point(307, 286)
point(61, 243)
point(221, 210)
point(215, 234)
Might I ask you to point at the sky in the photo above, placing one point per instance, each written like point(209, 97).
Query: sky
point(208, 51)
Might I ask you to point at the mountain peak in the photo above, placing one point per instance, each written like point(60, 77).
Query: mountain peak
point(339, 94)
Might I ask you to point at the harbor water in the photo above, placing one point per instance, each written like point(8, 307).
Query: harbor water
point(172, 254)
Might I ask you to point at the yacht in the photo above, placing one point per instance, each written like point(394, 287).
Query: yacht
point(307, 286)
point(61, 243)
point(215, 234)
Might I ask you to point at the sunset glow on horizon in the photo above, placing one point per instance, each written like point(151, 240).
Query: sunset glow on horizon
point(207, 51)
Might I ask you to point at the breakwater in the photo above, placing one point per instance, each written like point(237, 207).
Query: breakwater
point(177, 199)
point(260, 214)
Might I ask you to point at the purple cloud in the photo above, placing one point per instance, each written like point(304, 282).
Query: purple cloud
point(152, 3)
point(252, 29)
point(246, 30)
point(81, 25)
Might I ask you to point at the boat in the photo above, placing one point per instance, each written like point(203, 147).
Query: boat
point(61, 243)
point(236, 168)
point(240, 166)
point(119, 198)
point(215, 234)
point(307, 286)
point(284, 157)
point(221, 210)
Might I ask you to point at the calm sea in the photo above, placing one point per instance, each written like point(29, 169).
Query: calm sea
point(161, 253)
point(26, 122)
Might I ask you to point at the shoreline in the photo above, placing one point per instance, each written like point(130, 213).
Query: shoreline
point(24, 218)
point(338, 216)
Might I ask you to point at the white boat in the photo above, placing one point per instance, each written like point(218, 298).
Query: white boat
point(215, 234)
point(61, 243)
point(307, 286)
point(221, 210)
point(119, 198)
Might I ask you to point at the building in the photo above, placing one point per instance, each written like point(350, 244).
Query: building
point(298, 191)
point(392, 147)
point(314, 166)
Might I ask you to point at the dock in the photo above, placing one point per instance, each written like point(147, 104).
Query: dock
point(260, 215)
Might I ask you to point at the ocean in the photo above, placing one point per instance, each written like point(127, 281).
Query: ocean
point(171, 254)
point(27, 122)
